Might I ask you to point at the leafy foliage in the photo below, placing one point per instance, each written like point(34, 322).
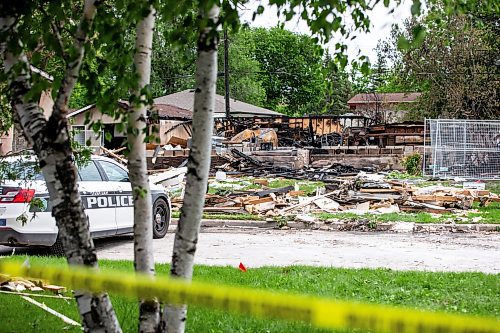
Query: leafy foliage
point(453, 65)
point(245, 70)
point(413, 164)
point(291, 69)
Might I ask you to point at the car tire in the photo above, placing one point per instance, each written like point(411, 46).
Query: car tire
point(57, 248)
point(161, 218)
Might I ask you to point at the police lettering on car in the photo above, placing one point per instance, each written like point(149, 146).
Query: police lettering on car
point(108, 201)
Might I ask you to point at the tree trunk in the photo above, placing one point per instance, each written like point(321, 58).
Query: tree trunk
point(51, 143)
point(149, 310)
point(188, 227)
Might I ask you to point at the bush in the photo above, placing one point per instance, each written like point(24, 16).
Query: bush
point(413, 164)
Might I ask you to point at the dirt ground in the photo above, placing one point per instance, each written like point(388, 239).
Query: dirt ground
point(398, 251)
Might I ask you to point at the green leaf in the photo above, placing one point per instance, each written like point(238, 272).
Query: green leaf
point(415, 7)
point(336, 23)
point(403, 43)
point(365, 68)
point(419, 34)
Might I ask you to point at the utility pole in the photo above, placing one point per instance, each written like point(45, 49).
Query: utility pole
point(226, 74)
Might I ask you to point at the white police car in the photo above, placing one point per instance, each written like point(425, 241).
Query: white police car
point(106, 195)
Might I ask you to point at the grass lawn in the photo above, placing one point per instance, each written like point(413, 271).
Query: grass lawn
point(490, 214)
point(472, 293)
point(238, 217)
point(248, 183)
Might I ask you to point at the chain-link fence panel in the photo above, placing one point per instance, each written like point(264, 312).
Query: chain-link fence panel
point(466, 148)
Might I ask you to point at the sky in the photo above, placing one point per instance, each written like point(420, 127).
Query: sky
point(364, 44)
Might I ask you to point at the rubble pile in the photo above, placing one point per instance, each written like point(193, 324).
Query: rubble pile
point(361, 194)
point(346, 189)
point(243, 164)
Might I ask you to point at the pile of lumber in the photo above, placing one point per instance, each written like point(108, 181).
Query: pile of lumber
point(19, 284)
point(360, 194)
point(263, 202)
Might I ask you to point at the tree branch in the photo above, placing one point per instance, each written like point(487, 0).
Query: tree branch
point(55, 158)
point(75, 61)
point(55, 29)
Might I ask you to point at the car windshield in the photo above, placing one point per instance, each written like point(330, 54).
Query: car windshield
point(19, 169)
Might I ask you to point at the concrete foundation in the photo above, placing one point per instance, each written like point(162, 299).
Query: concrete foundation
point(381, 162)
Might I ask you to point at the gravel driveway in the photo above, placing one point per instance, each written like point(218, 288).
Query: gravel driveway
point(399, 251)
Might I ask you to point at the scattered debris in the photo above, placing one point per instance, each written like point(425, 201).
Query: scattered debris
point(15, 284)
point(360, 194)
point(242, 185)
point(114, 154)
point(58, 296)
point(51, 311)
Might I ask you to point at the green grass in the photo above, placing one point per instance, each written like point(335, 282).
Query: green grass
point(490, 215)
point(247, 184)
point(493, 186)
point(388, 217)
point(402, 175)
point(237, 217)
point(471, 293)
point(309, 187)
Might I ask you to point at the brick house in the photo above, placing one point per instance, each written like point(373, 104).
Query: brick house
point(383, 108)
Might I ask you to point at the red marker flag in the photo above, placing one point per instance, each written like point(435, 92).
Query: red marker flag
point(242, 267)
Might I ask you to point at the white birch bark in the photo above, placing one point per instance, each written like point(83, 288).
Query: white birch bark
point(50, 141)
point(186, 236)
point(149, 310)
point(74, 64)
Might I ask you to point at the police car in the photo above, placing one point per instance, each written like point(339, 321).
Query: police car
point(25, 210)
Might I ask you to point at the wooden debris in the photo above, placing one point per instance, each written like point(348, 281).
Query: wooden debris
point(52, 311)
point(53, 288)
point(35, 295)
point(114, 155)
point(296, 193)
point(263, 182)
point(275, 190)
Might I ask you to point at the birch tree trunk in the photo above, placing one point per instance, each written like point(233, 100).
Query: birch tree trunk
point(198, 165)
point(149, 310)
point(51, 143)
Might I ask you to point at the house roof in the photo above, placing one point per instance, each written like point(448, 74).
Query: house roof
point(180, 105)
point(164, 110)
point(75, 112)
point(171, 111)
point(384, 98)
point(185, 100)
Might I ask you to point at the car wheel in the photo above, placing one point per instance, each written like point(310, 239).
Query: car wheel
point(57, 248)
point(161, 218)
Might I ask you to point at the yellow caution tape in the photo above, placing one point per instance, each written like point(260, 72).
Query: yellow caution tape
point(320, 312)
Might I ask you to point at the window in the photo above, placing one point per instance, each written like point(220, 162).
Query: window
point(114, 172)
point(79, 134)
point(90, 173)
point(20, 170)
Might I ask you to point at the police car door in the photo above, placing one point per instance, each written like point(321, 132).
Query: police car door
point(96, 195)
point(118, 179)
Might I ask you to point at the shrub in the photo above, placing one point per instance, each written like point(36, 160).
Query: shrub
point(413, 164)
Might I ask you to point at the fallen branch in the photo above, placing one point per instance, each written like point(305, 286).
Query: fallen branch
point(34, 295)
point(52, 311)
